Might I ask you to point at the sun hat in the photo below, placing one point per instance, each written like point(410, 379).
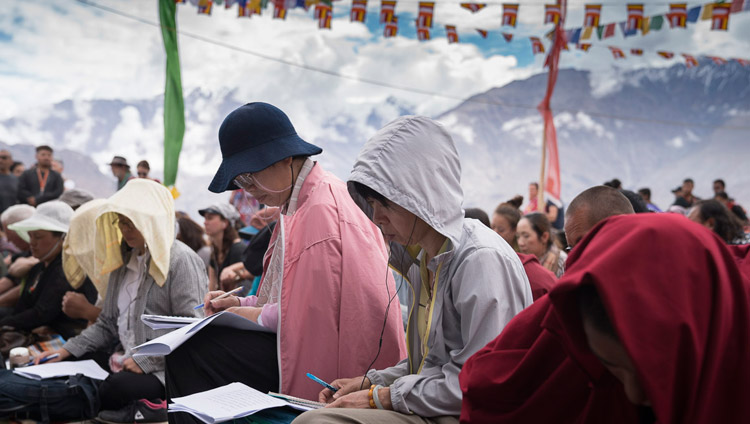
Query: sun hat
point(119, 161)
point(226, 211)
point(50, 216)
point(254, 137)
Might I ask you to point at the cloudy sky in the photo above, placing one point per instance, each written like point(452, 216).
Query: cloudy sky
point(52, 50)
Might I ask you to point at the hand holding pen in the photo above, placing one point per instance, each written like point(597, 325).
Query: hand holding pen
point(212, 308)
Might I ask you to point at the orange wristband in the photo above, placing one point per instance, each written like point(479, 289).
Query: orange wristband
point(372, 401)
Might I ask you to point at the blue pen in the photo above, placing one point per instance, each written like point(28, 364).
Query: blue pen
point(45, 359)
point(321, 382)
point(229, 293)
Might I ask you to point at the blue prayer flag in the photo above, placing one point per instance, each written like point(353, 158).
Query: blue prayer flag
point(693, 14)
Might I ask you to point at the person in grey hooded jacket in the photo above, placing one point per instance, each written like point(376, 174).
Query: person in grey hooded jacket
point(466, 281)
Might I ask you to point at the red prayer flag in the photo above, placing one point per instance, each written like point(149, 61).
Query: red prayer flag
point(510, 12)
point(451, 34)
point(482, 32)
point(536, 45)
point(665, 55)
point(474, 7)
point(690, 61)
point(584, 46)
point(424, 19)
point(617, 53)
point(391, 27)
point(609, 30)
point(423, 33)
point(551, 13)
point(635, 16)
point(508, 37)
point(743, 62)
point(720, 16)
point(677, 15)
point(387, 10)
point(593, 12)
point(359, 11)
point(636, 52)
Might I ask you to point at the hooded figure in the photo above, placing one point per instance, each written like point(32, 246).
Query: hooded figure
point(149, 273)
point(466, 281)
point(675, 337)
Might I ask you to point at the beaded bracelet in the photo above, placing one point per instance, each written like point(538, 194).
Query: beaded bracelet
point(372, 401)
point(376, 398)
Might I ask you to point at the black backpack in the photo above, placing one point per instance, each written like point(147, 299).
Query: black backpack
point(55, 399)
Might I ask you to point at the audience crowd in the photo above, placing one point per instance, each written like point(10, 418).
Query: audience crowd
point(606, 309)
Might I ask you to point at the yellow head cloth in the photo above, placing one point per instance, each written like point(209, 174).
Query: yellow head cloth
point(149, 205)
point(78, 248)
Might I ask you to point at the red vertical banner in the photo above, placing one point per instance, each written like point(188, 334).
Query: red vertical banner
point(551, 185)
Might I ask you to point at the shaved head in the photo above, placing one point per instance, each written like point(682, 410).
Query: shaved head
point(591, 207)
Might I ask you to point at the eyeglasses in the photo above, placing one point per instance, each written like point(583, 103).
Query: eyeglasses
point(245, 180)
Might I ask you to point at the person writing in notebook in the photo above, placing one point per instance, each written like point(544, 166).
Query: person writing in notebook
point(326, 283)
point(466, 281)
point(149, 272)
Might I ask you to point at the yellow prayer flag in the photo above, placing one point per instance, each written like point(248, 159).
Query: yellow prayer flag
point(645, 27)
point(708, 12)
point(587, 33)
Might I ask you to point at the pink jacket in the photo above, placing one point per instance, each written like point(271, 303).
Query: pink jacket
point(333, 296)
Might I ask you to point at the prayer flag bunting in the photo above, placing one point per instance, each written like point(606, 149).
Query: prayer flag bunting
point(508, 37)
point(586, 34)
point(387, 10)
point(636, 52)
point(424, 19)
point(627, 32)
point(591, 18)
point(474, 7)
point(743, 62)
point(720, 16)
point(204, 7)
point(717, 60)
point(451, 34)
point(359, 11)
point(536, 45)
point(324, 13)
point(584, 46)
point(482, 32)
point(575, 36)
point(656, 22)
point(677, 15)
point(690, 61)
point(617, 53)
point(279, 9)
point(693, 14)
point(423, 33)
point(551, 13)
point(635, 16)
point(391, 27)
point(665, 55)
point(510, 11)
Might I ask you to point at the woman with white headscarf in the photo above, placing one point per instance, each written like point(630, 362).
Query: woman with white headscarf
point(149, 272)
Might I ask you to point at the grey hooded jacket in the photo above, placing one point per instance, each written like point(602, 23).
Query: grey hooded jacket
point(481, 285)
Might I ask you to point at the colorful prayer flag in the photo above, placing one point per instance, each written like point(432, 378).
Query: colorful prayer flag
point(424, 19)
point(359, 11)
point(551, 13)
point(617, 53)
point(708, 10)
point(591, 18)
point(720, 16)
point(324, 13)
point(451, 34)
point(391, 27)
point(423, 33)
point(508, 37)
point(627, 32)
point(387, 10)
point(635, 16)
point(204, 7)
point(510, 12)
point(677, 15)
point(536, 45)
point(609, 30)
point(693, 14)
point(584, 46)
point(587, 33)
point(656, 22)
point(690, 61)
point(665, 55)
point(482, 32)
point(575, 36)
point(279, 9)
point(474, 7)
point(717, 60)
point(636, 52)
point(740, 5)
point(743, 62)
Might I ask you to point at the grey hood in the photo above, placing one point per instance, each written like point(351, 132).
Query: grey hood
point(413, 162)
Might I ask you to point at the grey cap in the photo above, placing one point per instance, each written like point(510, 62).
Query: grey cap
point(226, 211)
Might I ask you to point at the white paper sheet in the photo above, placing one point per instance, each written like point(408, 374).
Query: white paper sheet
point(89, 368)
point(159, 322)
point(225, 403)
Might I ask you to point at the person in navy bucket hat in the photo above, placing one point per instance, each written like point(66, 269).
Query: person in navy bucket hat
point(325, 286)
point(254, 137)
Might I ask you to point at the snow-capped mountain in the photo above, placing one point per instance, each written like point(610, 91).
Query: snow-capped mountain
point(650, 127)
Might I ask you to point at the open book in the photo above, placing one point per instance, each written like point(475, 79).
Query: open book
point(159, 322)
point(164, 345)
point(229, 402)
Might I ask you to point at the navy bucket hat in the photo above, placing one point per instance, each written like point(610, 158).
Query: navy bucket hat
point(254, 137)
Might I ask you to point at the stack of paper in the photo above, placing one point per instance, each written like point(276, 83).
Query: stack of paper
point(229, 402)
point(158, 322)
point(89, 368)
